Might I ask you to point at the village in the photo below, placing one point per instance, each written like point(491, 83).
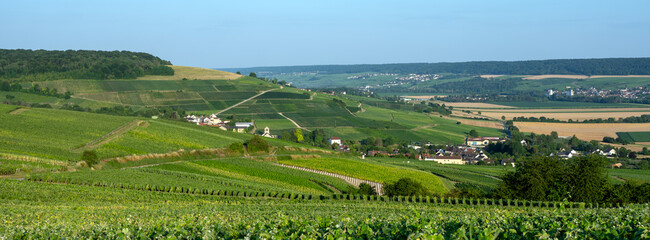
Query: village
point(471, 153)
point(632, 93)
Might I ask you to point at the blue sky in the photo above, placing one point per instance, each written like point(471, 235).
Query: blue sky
point(276, 33)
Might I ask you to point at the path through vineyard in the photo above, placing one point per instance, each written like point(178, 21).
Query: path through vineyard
point(354, 181)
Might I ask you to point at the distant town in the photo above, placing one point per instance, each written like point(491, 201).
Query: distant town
point(594, 92)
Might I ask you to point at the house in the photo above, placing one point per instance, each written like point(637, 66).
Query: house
point(335, 140)
point(449, 159)
point(508, 162)
point(482, 141)
point(373, 153)
point(241, 127)
point(416, 147)
point(243, 124)
point(568, 154)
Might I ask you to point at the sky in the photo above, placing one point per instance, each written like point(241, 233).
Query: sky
point(247, 33)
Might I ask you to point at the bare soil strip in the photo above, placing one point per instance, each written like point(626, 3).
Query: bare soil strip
point(18, 111)
point(354, 181)
point(425, 126)
point(112, 135)
point(294, 122)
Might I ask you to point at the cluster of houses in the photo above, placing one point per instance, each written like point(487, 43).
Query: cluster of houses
point(566, 154)
point(470, 153)
point(339, 146)
point(594, 92)
point(213, 121)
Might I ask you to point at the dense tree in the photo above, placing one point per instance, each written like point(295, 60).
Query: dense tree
point(404, 187)
point(90, 157)
point(473, 133)
point(602, 66)
point(581, 179)
point(366, 189)
point(41, 65)
point(257, 144)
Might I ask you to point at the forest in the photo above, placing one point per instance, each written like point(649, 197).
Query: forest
point(43, 65)
point(602, 66)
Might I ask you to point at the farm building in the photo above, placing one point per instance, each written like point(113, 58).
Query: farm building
point(448, 159)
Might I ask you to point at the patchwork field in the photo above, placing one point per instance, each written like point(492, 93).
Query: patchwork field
point(192, 89)
point(584, 131)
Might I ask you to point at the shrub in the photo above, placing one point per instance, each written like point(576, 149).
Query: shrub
point(236, 147)
point(90, 156)
point(257, 144)
point(404, 187)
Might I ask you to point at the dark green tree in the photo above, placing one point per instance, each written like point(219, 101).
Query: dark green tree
point(90, 157)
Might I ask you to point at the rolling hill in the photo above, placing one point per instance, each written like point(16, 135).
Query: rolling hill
point(204, 91)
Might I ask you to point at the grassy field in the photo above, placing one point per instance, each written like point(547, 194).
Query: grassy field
point(634, 175)
point(55, 134)
point(635, 136)
point(52, 134)
point(371, 172)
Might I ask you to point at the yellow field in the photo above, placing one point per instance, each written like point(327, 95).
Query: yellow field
point(575, 114)
point(474, 105)
point(584, 131)
point(194, 73)
point(491, 76)
point(425, 97)
point(634, 147)
point(537, 77)
point(479, 123)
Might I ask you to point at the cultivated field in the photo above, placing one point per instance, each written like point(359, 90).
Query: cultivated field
point(474, 105)
point(537, 77)
point(577, 114)
point(194, 73)
point(479, 123)
point(584, 131)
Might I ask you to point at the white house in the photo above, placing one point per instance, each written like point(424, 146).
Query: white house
point(335, 140)
point(416, 147)
point(482, 141)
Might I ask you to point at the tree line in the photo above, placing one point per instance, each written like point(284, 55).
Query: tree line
point(645, 118)
point(42, 65)
point(601, 66)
